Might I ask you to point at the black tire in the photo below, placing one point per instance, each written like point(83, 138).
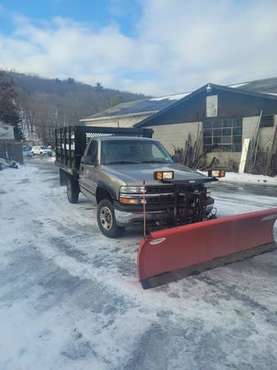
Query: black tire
point(72, 190)
point(106, 219)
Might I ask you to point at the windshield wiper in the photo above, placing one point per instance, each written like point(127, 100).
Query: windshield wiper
point(122, 162)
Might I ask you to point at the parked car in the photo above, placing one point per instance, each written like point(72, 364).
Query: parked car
point(27, 151)
point(46, 150)
point(36, 150)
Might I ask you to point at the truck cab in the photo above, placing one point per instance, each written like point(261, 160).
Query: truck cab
point(118, 172)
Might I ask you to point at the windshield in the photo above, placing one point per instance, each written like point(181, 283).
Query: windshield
point(133, 152)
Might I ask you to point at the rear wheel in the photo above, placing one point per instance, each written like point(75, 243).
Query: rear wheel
point(72, 190)
point(106, 219)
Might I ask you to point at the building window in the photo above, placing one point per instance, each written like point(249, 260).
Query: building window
point(222, 134)
point(267, 121)
point(211, 105)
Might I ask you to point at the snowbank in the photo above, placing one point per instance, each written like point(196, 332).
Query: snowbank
point(247, 178)
point(4, 163)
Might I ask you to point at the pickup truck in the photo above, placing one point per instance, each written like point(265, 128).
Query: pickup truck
point(131, 177)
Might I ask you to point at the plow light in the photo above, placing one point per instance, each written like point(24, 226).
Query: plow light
point(163, 175)
point(216, 173)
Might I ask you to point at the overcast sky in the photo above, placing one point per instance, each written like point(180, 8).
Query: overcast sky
point(151, 46)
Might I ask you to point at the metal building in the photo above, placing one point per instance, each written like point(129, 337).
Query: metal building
point(221, 118)
point(217, 118)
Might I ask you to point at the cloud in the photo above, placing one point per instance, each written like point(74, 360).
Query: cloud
point(177, 46)
point(216, 41)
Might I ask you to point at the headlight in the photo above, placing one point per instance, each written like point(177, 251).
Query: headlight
point(132, 189)
point(131, 194)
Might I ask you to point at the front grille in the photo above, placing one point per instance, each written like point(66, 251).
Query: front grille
point(163, 201)
point(160, 196)
point(159, 189)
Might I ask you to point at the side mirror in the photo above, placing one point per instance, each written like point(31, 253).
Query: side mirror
point(86, 160)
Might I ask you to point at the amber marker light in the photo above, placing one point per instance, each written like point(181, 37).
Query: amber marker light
point(125, 200)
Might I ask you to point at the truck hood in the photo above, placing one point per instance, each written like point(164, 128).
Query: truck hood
point(135, 174)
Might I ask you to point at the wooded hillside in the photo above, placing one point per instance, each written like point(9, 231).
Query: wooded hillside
point(49, 103)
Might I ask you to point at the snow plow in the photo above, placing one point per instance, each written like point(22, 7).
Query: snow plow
point(173, 253)
point(134, 180)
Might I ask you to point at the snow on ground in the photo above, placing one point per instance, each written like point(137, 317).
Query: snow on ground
point(69, 297)
point(248, 178)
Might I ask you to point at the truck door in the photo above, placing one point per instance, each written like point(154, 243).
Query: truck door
point(88, 173)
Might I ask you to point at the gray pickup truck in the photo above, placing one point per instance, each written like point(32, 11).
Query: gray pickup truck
point(131, 177)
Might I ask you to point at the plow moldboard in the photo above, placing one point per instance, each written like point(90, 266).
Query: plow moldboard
point(171, 254)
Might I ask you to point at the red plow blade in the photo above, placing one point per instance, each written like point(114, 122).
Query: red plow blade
point(171, 254)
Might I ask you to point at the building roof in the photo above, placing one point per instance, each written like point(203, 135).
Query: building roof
point(267, 85)
point(151, 106)
point(135, 108)
point(207, 87)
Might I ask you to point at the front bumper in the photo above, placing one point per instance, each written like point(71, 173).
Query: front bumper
point(173, 204)
point(131, 218)
point(124, 218)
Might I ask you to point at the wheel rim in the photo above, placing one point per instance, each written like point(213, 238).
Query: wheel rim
point(106, 218)
point(68, 190)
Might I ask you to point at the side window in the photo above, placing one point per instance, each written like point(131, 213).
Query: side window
point(92, 152)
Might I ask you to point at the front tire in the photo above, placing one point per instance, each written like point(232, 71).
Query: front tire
point(106, 219)
point(72, 190)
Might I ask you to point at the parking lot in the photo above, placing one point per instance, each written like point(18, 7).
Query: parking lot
point(70, 299)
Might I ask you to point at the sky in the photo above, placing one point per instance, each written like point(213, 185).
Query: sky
point(153, 47)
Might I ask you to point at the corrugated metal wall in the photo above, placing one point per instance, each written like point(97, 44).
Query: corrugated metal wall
point(174, 136)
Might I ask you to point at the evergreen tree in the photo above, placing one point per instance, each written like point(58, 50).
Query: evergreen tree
point(9, 112)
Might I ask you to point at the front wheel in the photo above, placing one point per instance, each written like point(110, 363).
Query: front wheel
point(106, 219)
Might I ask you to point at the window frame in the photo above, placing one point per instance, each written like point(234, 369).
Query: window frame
point(94, 161)
point(222, 134)
point(267, 120)
point(156, 143)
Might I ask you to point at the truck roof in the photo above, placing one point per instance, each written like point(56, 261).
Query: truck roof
point(115, 137)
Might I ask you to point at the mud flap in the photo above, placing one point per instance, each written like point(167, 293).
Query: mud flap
point(170, 254)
